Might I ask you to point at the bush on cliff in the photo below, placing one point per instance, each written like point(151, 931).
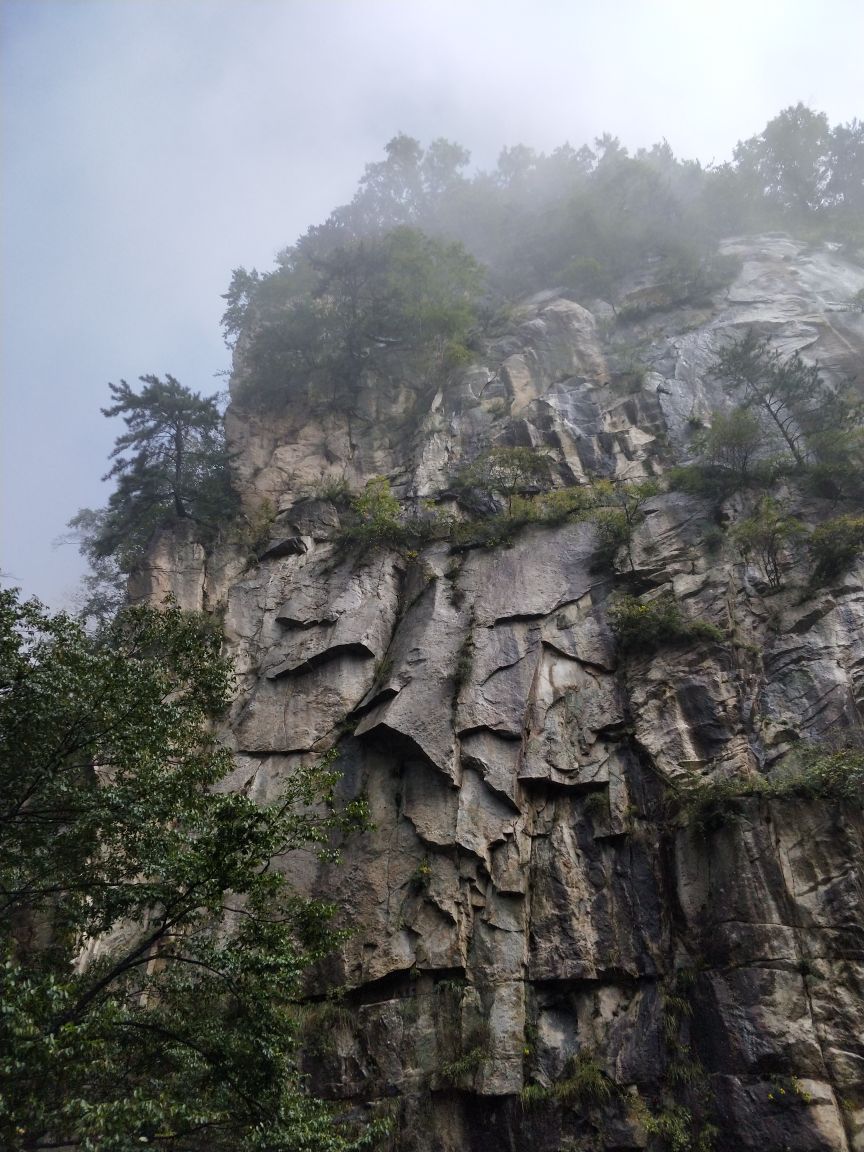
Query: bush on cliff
point(645, 627)
point(835, 546)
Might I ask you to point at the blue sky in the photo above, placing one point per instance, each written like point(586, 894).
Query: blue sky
point(150, 146)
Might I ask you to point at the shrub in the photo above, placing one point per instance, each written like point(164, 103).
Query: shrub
point(830, 773)
point(612, 532)
point(336, 490)
point(646, 627)
point(733, 440)
point(586, 1081)
point(377, 515)
point(561, 504)
point(507, 471)
point(834, 773)
point(376, 520)
point(619, 509)
point(456, 355)
point(835, 546)
point(765, 535)
point(464, 663)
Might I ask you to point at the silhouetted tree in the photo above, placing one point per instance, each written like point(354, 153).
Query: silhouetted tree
point(176, 467)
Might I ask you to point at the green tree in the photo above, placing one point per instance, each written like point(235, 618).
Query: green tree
point(120, 842)
point(834, 546)
point(766, 535)
point(508, 471)
point(177, 467)
point(787, 165)
point(325, 314)
point(791, 397)
point(619, 508)
point(733, 440)
point(103, 588)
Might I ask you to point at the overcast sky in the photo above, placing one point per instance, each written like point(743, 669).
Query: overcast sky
point(150, 146)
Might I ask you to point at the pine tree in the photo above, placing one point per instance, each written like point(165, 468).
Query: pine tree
point(177, 466)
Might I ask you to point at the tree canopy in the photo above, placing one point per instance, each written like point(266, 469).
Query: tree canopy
point(318, 320)
point(119, 841)
point(171, 463)
point(811, 420)
point(402, 261)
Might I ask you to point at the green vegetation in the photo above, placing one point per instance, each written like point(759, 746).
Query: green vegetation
point(644, 627)
point(619, 509)
point(766, 535)
point(464, 663)
point(675, 1125)
point(835, 546)
point(177, 1026)
point(791, 424)
point(510, 472)
point(171, 465)
point(829, 773)
point(795, 406)
point(315, 323)
point(178, 467)
point(452, 1071)
point(377, 516)
point(584, 1082)
point(733, 441)
point(804, 173)
point(425, 258)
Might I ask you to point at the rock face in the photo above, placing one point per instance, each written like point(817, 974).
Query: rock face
point(539, 957)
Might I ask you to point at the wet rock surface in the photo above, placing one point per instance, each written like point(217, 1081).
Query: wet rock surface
point(525, 918)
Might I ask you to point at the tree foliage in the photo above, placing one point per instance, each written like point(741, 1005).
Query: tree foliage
point(766, 535)
point(796, 405)
point(170, 464)
point(176, 1024)
point(643, 627)
point(835, 545)
point(400, 262)
point(506, 470)
point(316, 322)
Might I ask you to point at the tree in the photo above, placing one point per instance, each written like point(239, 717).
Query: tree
point(733, 440)
point(178, 468)
point(508, 471)
point(119, 841)
point(766, 535)
point(787, 165)
point(619, 508)
point(320, 319)
point(103, 588)
point(822, 426)
point(835, 546)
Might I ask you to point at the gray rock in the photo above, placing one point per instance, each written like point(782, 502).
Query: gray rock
point(524, 903)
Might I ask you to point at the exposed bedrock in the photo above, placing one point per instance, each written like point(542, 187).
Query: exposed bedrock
point(527, 920)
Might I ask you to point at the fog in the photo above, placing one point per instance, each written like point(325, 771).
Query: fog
point(148, 148)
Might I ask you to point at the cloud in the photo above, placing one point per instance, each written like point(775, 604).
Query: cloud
point(150, 147)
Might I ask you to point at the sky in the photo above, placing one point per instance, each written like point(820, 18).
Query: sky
point(148, 147)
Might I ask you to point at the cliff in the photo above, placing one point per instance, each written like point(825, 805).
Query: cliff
point(542, 953)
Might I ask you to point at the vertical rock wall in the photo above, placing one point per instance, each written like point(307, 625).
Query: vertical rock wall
point(540, 958)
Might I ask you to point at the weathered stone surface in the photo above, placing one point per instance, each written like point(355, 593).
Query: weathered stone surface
point(348, 610)
point(524, 906)
point(174, 567)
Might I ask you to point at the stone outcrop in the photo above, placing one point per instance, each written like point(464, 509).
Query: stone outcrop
point(539, 957)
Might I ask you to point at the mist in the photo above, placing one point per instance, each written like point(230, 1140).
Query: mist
point(148, 149)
